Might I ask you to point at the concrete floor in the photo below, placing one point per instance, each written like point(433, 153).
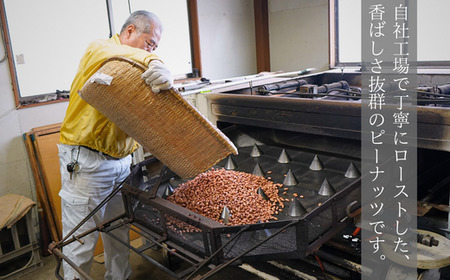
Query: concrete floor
point(142, 269)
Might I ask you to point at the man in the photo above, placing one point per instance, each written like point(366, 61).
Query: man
point(95, 155)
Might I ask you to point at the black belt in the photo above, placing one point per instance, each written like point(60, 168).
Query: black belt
point(101, 153)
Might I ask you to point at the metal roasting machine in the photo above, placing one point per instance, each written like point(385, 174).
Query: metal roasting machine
point(303, 132)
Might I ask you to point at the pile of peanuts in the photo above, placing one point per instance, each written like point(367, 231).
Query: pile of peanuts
point(209, 192)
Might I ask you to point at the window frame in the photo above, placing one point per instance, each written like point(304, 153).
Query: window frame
point(334, 44)
point(26, 102)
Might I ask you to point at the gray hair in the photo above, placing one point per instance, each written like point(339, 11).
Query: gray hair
point(143, 21)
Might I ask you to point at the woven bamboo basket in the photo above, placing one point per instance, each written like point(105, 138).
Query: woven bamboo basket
point(165, 124)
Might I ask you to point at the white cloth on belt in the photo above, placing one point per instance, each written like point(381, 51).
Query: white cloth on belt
point(94, 181)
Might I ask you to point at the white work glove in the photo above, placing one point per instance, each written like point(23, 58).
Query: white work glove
point(157, 76)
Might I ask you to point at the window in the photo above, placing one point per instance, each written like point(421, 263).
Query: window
point(432, 24)
point(45, 47)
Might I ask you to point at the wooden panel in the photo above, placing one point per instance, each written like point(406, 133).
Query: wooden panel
point(195, 36)
point(262, 35)
point(40, 189)
point(47, 154)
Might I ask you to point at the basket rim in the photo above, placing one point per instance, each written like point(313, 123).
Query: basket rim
point(125, 59)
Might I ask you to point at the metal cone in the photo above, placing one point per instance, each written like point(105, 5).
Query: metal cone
point(352, 171)
point(230, 165)
point(167, 192)
point(258, 170)
point(284, 157)
point(290, 179)
point(316, 164)
point(256, 151)
point(225, 216)
point(296, 209)
point(326, 189)
point(262, 194)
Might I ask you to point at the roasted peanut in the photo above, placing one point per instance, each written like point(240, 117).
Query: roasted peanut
point(211, 191)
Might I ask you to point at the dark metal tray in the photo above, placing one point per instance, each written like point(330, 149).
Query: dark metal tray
point(289, 237)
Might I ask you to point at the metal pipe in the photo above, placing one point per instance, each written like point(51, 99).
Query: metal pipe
point(155, 242)
point(237, 81)
point(54, 249)
point(98, 207)
point(97, 228)
point(343, 262)
point(341, 247)
point(217, 251)
point(160, 266)
point(281, 85)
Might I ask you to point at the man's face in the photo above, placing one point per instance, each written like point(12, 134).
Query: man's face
point(145, 41)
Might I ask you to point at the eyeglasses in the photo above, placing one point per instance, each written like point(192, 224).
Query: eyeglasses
point(152, 44)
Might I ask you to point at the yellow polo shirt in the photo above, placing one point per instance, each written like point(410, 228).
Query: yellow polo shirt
point(83, 124)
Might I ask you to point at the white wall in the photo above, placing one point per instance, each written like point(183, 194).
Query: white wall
point(298, 31)
point(298, 39)
point(15, 172)
point(227, 38)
